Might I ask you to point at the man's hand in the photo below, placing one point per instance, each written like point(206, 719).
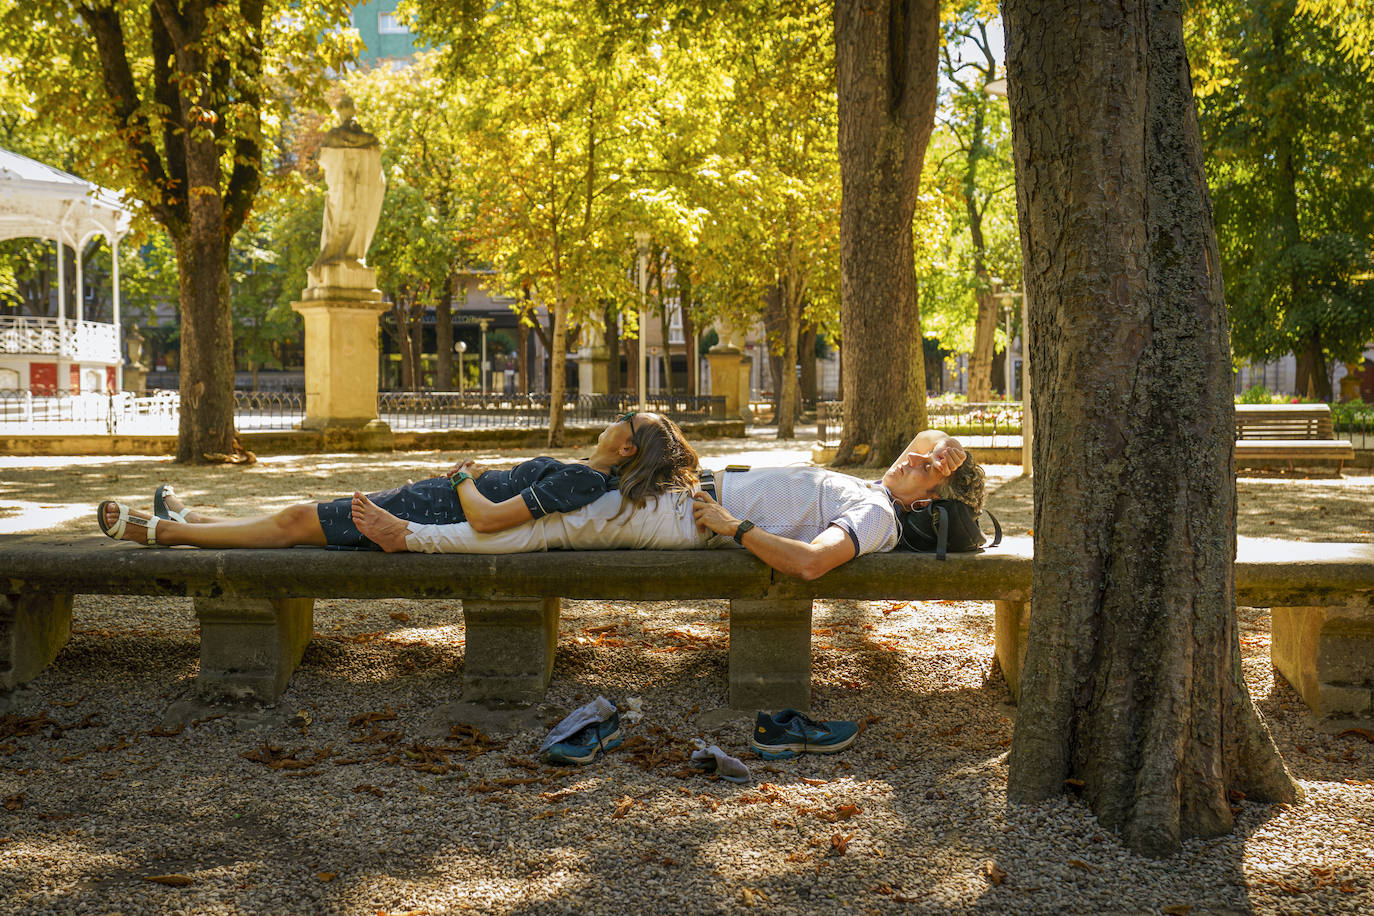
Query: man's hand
point(947, 456)
point(710, 514)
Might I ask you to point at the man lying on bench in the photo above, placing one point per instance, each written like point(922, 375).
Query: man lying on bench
point(804, 521)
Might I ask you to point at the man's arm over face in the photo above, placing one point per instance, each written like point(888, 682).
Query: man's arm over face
point(827, 550)
point(944, 451)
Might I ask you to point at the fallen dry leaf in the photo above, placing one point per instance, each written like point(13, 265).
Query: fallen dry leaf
point(370, 789)
point(993, 873)
point(327, 876)
point(1178, 909)
point(1079, 863)
point(814, 782)
point(623, 807)
point(400, 616)
point(840, 842)
point(1364, 733)
point(14, 802)
point(171, 880)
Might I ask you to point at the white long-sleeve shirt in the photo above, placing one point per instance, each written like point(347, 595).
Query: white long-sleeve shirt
point(664, 523)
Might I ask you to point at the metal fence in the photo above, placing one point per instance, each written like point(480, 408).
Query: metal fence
point(455, 410)
point(992, 424)
point(158, 412)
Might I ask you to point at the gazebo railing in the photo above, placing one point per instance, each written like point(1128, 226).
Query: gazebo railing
point(65, 337)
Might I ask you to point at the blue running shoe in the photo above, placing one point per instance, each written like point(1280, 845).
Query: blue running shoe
point(585, 744)
point(790, 733)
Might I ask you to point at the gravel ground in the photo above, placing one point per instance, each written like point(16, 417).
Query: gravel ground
point(355, 794)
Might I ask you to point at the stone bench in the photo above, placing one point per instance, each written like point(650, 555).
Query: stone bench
point(256, 607)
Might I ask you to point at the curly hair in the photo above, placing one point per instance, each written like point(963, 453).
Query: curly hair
point(663, 461)
point(966, 484)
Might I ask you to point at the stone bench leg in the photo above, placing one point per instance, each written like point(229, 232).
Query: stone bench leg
point(510, 648)
point(33, 627)
point(1327, 654)
point(1011, 625)
point(770, 654)
point(249, 647)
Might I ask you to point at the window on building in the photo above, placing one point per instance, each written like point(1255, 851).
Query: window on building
point(388, 24)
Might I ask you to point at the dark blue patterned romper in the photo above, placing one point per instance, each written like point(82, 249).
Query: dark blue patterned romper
point(546, 484)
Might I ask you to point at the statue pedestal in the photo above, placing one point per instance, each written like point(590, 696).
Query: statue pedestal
point(136, 379)
point(1350, 382)
point(593, 370)
point(341, 367)
point(730, 378)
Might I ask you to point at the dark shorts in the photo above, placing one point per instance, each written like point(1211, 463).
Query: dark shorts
point(431, 502)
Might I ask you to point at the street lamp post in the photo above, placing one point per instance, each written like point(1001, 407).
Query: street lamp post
point(460, 348)
point(482, 369)
point(642, 243)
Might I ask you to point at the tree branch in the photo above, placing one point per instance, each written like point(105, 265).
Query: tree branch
point(130, 123)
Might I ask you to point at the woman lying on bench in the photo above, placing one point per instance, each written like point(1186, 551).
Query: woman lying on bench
point(640, 454)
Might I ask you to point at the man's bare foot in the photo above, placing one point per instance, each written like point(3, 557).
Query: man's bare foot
point(384, 529)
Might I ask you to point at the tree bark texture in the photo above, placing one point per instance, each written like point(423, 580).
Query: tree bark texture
point(886, 72)
point(558, 374)
point(443, 338)
point(1132, 681)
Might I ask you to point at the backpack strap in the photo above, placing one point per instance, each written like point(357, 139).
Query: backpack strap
point(941, 531)
point(997, 530)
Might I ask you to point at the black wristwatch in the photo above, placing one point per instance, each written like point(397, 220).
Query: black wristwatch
point(739, 532)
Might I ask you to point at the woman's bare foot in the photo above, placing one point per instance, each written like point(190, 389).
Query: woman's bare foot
point(192, 516)
point(384, 529)
point(135, 530)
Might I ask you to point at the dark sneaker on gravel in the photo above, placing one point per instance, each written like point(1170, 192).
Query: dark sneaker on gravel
point(790, 733)
point(585, 744)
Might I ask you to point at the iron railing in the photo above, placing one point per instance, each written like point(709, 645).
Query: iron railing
point(158, 412)
point(997, 423)
point(467, 410)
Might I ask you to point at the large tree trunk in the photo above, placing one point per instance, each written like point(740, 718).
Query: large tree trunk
point(1313, 381)
point(558, 374)
point(610, 332)
point(443, 338)
point(806, 355)
point(985, 324)
point(886, 70)
point(206, 428)
point(1132, 681)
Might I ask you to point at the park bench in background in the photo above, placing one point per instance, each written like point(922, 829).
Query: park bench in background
point(1289, 432)
point(256, 607)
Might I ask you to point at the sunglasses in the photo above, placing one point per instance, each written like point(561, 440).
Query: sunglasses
point(627, 418)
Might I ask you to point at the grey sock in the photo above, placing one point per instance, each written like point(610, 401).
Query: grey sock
point(711, 759)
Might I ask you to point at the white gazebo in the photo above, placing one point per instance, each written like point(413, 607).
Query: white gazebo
point(63, 353)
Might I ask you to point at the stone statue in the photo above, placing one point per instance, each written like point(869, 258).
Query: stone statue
point(133, 338)
point(351, 159)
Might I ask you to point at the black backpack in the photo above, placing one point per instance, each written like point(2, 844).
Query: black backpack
point(944, 525)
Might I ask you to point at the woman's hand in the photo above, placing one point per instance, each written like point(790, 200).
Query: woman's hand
point(470, 465)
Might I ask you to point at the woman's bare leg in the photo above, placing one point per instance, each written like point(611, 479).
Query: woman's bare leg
point(386, 530)
point(295, 525)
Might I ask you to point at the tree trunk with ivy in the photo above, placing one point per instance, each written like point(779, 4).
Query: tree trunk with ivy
point(886, 72)
point(1132, 686)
